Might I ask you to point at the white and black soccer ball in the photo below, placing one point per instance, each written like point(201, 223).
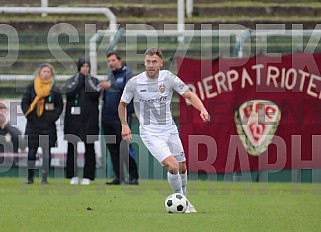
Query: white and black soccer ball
point(176, 203)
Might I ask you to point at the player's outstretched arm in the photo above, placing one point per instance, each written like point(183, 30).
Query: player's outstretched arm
point(197, 103)
point(122, 113)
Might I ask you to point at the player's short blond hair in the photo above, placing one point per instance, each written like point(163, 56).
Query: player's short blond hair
point(154, 51)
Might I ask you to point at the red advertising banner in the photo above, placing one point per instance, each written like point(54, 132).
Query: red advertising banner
point(265, 113)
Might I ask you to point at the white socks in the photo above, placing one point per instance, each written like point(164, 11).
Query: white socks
point(178, 182)
point(184, 182)
point(175, 182)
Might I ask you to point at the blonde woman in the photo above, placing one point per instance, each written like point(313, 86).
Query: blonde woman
point(41, 104)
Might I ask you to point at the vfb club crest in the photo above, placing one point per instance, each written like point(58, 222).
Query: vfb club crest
point(161, 87)
point(256, 122)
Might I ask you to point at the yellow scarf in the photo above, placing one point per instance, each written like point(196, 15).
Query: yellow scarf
point(42, 89)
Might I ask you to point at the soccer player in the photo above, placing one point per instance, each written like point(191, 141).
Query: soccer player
point(152, 92)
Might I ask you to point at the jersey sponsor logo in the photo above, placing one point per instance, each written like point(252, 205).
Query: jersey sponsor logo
point(161, 87)
point(154, 99)
point(256, 122)
point(143, 90)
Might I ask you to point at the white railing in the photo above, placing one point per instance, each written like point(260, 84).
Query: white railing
point(64, 10)
point(14, 77)
point(241, 38)
point(189, 8)
point(153, 33)
point(180, 17)
point(239, 35)
point(44, 4)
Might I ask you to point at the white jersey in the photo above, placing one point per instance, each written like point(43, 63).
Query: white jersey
point(152, 101)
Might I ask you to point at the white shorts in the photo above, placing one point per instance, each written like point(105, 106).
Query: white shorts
point(163, 146)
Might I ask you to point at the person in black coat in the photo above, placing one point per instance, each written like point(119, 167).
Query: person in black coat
point(82, 121)
point(9, 135)
point(42, 105)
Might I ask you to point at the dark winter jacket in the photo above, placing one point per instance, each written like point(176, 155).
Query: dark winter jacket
point(14, 134)
point(82, 93)
point(112, 96)
point(46, 123)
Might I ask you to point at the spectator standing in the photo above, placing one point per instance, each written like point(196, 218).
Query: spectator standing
point(9, 135)
point(42, 105)
point(120, 156)
point(82, 121)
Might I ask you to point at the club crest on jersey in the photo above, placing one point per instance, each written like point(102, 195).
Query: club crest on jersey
point(161, 87)
point(256, 122)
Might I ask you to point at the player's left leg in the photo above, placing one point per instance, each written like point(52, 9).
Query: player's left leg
point(183, 174)
point(179, 154)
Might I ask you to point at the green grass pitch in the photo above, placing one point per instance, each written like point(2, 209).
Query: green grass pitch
point(221, 206)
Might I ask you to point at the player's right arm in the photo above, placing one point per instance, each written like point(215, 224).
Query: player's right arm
point(125, 99)
point(122, 113)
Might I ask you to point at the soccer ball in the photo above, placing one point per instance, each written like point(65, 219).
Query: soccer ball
point(176, 203)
